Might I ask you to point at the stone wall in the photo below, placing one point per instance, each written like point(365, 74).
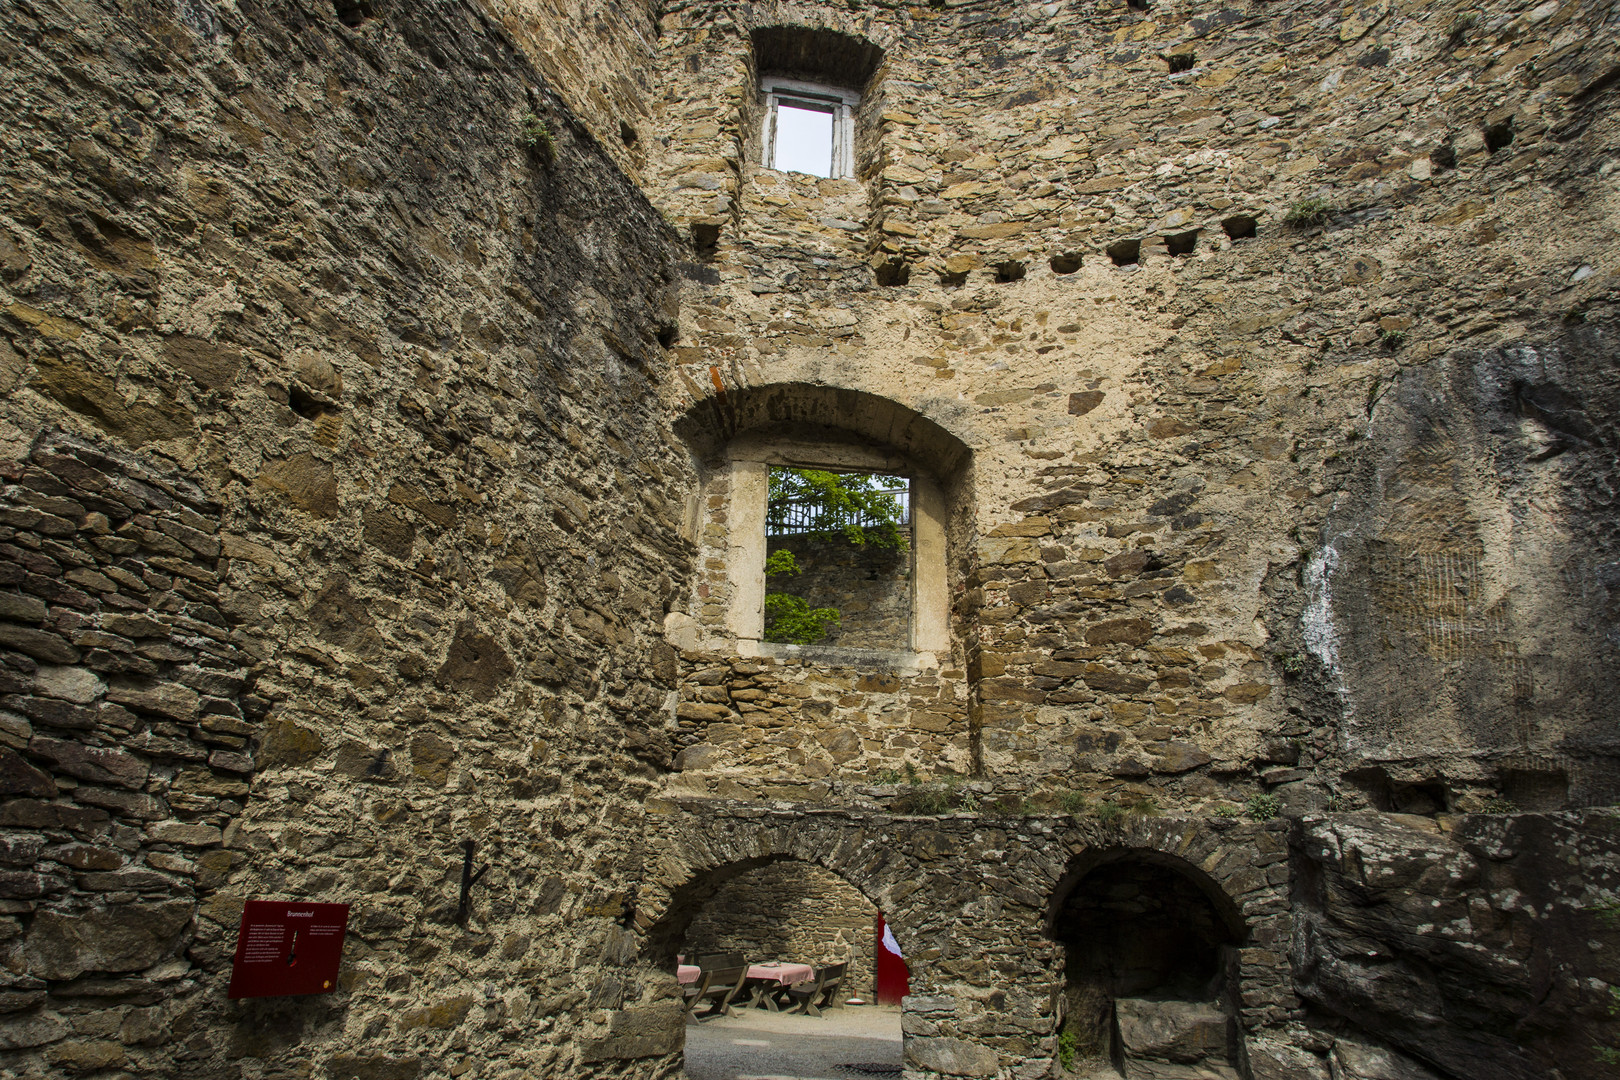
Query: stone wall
point(791, 911)
point(1158, 441)
point(350, 369)
point(785, 728)
point(126, 759)
point(1263, 360)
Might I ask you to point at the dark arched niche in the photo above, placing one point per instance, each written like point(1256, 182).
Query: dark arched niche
point(1149, 942)
point(1084, 863)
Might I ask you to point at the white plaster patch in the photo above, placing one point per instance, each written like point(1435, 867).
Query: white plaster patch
point(1316, 621)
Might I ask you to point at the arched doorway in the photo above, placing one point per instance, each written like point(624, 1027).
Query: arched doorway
point(1150, 967)
point(807, 942)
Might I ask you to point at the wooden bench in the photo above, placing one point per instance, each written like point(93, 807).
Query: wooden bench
point(819, 993)
point(720, 978)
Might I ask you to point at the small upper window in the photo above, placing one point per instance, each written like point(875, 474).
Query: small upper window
point(809, 128)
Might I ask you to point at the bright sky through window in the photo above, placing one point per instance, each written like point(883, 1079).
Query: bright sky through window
point(804, 139)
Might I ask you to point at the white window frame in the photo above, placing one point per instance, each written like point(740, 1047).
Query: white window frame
point(804, 95)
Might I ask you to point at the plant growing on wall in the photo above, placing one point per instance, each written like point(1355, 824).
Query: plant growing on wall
point(854, 508)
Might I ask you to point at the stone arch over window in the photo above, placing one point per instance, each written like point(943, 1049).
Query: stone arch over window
point(738, 435)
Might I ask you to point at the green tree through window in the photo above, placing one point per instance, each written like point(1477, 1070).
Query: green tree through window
point(860, 509)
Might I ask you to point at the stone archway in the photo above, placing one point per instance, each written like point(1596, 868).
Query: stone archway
point(973, 900)
point(701, 855)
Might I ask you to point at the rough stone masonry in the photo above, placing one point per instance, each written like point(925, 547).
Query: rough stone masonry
point(387, 388)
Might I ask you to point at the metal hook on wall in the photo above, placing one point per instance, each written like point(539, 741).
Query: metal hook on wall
point(468, 880)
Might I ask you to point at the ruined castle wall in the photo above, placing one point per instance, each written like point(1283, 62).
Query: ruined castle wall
point(1157, 445)
point(339, 505)
point(1322, 512)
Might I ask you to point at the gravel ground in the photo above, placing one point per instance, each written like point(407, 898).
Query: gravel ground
point(753, 1044)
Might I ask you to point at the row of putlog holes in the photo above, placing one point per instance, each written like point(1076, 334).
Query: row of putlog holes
point(1121, 253)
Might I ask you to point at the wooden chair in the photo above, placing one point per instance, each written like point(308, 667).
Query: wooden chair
point(720, 978)
point(822, 992)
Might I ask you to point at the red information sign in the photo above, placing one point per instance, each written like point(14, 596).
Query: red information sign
point(285, 948)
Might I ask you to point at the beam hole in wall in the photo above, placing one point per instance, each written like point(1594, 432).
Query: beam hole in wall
point(891, 272)
point(1424, 798)
point(1499, 136)
point(668, 335)
point(1240, 227)
point(1009, 271)
point(1066, 263)
point(1180, 62)
point(1125, 252)
point(1146, 948)
point(705, 240)
point(306, 404)
point(1139, 5)
point(627, 134)
point(354, 13)
point(1182, 243)
point(951, 279)
point(1443, 157)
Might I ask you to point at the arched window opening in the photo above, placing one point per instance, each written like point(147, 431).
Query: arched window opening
point(1148, 975)
point(865, 541)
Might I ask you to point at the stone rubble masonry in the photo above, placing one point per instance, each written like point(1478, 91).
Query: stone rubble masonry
point(338, 490)
point(351, 356)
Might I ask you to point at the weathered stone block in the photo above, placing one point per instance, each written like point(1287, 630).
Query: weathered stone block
point(475, 665)
point(175, 832)
point(34, 814)
point(953, 1057)
point(21, 1031)
point(305, 481)
point(652, 1031)
point(1180, 1031)
point(165, 699)
point(20, 608)
point(372, 1067)
point(42, 645)
point(289, 743)
point(97, 764)
point(123, 937)
point(18, 777)
point(73, 684)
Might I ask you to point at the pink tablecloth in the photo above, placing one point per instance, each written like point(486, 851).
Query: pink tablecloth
point(781, 974)
point(784, 974)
